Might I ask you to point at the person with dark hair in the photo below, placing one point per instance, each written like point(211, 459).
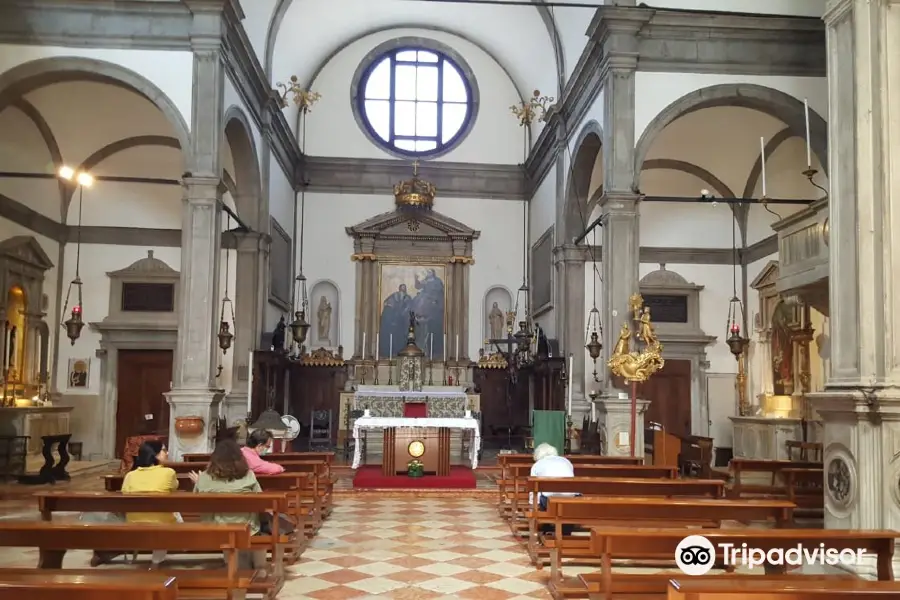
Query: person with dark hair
point(228, 473)
point(259, 443)
point(148, 476)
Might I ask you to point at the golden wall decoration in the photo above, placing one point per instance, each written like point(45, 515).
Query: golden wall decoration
point(633, 365)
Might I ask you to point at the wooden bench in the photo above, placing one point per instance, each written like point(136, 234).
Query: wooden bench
point(805, 588)
point(773, 468)
point(505, 461)
point(515, 493)
point(322, 484)
point(54, 539)
point(799, 482)
point(186, 504)
point(587, 487)
point(95, 586)
point(610, 544)
point(647, 512)
point(296, 488)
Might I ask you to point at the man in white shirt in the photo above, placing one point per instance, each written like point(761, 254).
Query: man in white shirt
point(548, 463)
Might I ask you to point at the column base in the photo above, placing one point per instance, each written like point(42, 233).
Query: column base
point(614, 413)
point(203, 403)
point(234, 407)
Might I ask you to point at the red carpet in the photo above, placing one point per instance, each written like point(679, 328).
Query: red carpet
point(369, 476)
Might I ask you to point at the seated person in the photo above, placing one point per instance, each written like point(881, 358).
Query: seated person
point(228, 473)
point(148, 476)
point(259, 443)
point(548, 463)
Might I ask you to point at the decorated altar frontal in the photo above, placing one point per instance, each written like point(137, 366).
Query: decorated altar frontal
point(446, 402)
point(417, 427)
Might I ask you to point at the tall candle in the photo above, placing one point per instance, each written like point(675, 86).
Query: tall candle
point(762, 152)
point(571, 373)
point(377, 343)
point(364, 346)
point(431, 352)
point(391, 348)
point(250, 384)
point(808, 148)
point(593, 412)
point(444, 350)
point(457, 346)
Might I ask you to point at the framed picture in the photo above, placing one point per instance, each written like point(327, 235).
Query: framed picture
point(79, 373)
point(418, 289)
point(542, 274)
point(280, 280)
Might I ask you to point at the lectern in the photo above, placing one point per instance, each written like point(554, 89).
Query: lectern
point(428, 445)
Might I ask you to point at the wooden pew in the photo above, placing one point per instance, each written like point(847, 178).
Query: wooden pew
point(799, 482)
point(794, 588)
point(515, 494)
point(54, 539)
point(610, 544)
point(773, 468)
point(293, 485)
point(320, 496)
point(185, 503)
point(95, 586)
point(588, 487)
point(632, 512)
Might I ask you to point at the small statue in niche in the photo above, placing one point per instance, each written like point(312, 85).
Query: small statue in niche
point(278, 336)
point(495, 320)
point(323, 315)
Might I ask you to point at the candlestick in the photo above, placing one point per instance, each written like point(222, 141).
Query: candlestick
point(377, 349)
point(808, 147)
point(391, 348)
point(762, 151)
point(457, 346)
point(571, 373)
point(250, 385)
point(364, 346)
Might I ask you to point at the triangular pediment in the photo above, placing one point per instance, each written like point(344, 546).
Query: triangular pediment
point(148, 267)
point(26, 249)
point(767, 277)
point(414, 225)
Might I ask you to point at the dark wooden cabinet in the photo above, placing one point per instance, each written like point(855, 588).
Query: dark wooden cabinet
point(316, 388)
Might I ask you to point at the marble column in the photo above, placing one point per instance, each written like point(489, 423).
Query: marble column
point(249, 303)
point(860, 406)
point(569, 261)
point(194, 391)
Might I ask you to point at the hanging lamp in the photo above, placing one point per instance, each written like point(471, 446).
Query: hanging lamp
point(75, 323)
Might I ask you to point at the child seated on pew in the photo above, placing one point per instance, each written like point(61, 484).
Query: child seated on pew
point(148, 476)
point(548, 463)
point(228, 473)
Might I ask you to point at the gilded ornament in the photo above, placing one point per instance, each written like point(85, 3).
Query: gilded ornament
point(495, 360)
point(304, 99)
point(415, 192)
point(632, 365)
point(323, 358)
point(536, 107)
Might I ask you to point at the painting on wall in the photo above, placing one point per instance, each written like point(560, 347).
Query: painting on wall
point(280, 279)
point(412, 288)
point(79, 373)
point(542, 273)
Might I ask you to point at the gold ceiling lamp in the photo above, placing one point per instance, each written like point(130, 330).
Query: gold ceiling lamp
point(415, 193)
point(631, 365)
point(75, 323)
point(304, 99)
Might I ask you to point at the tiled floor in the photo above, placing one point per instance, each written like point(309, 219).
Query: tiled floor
point(408, 548)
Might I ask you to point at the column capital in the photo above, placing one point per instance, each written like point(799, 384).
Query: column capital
point(252, 241)
point(570, 253)
point(620, 203)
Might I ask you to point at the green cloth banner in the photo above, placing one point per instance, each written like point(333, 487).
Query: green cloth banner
point(549, 427)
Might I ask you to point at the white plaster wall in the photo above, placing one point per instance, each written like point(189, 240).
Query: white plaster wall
point(497, 253)
point(496, 137)
point(664, 224)
point(572, 24)
point(257, 16)
point(172, 72)
point(655, 91)
point(96, 261)
point(542, 206)
point(232, 98)
point(281, 198)
point(23, 150)
point(800, 8)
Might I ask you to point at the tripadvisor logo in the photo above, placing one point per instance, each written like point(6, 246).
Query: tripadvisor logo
point(696, 555)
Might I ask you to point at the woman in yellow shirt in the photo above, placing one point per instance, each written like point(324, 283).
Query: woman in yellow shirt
point(148, 476)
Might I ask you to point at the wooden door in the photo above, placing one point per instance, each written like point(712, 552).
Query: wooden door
point(669, 393)
point(141, 409)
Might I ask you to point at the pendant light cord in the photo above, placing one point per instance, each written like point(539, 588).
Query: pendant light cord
point(78, 236)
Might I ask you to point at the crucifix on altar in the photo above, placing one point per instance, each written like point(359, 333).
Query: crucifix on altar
point(411, 361)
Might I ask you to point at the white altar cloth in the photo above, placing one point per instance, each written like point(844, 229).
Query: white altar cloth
point(385, 422)
point(393, 391)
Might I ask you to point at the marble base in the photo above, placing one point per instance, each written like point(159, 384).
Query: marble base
point(766, 438)
point(614, 414)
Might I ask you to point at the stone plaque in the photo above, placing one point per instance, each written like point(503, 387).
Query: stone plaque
point(667, 308)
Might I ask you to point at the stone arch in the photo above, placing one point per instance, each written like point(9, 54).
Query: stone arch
point(775, 103)
point(42, 72)
point(239, 137)
point(578, 207)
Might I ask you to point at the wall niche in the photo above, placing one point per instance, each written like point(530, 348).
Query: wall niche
point(325, 312)
point(502, 298)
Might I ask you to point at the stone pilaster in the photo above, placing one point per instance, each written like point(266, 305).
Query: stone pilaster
point(249, 304)
point(194, 391)
point(570, 319)
point(861, 403)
